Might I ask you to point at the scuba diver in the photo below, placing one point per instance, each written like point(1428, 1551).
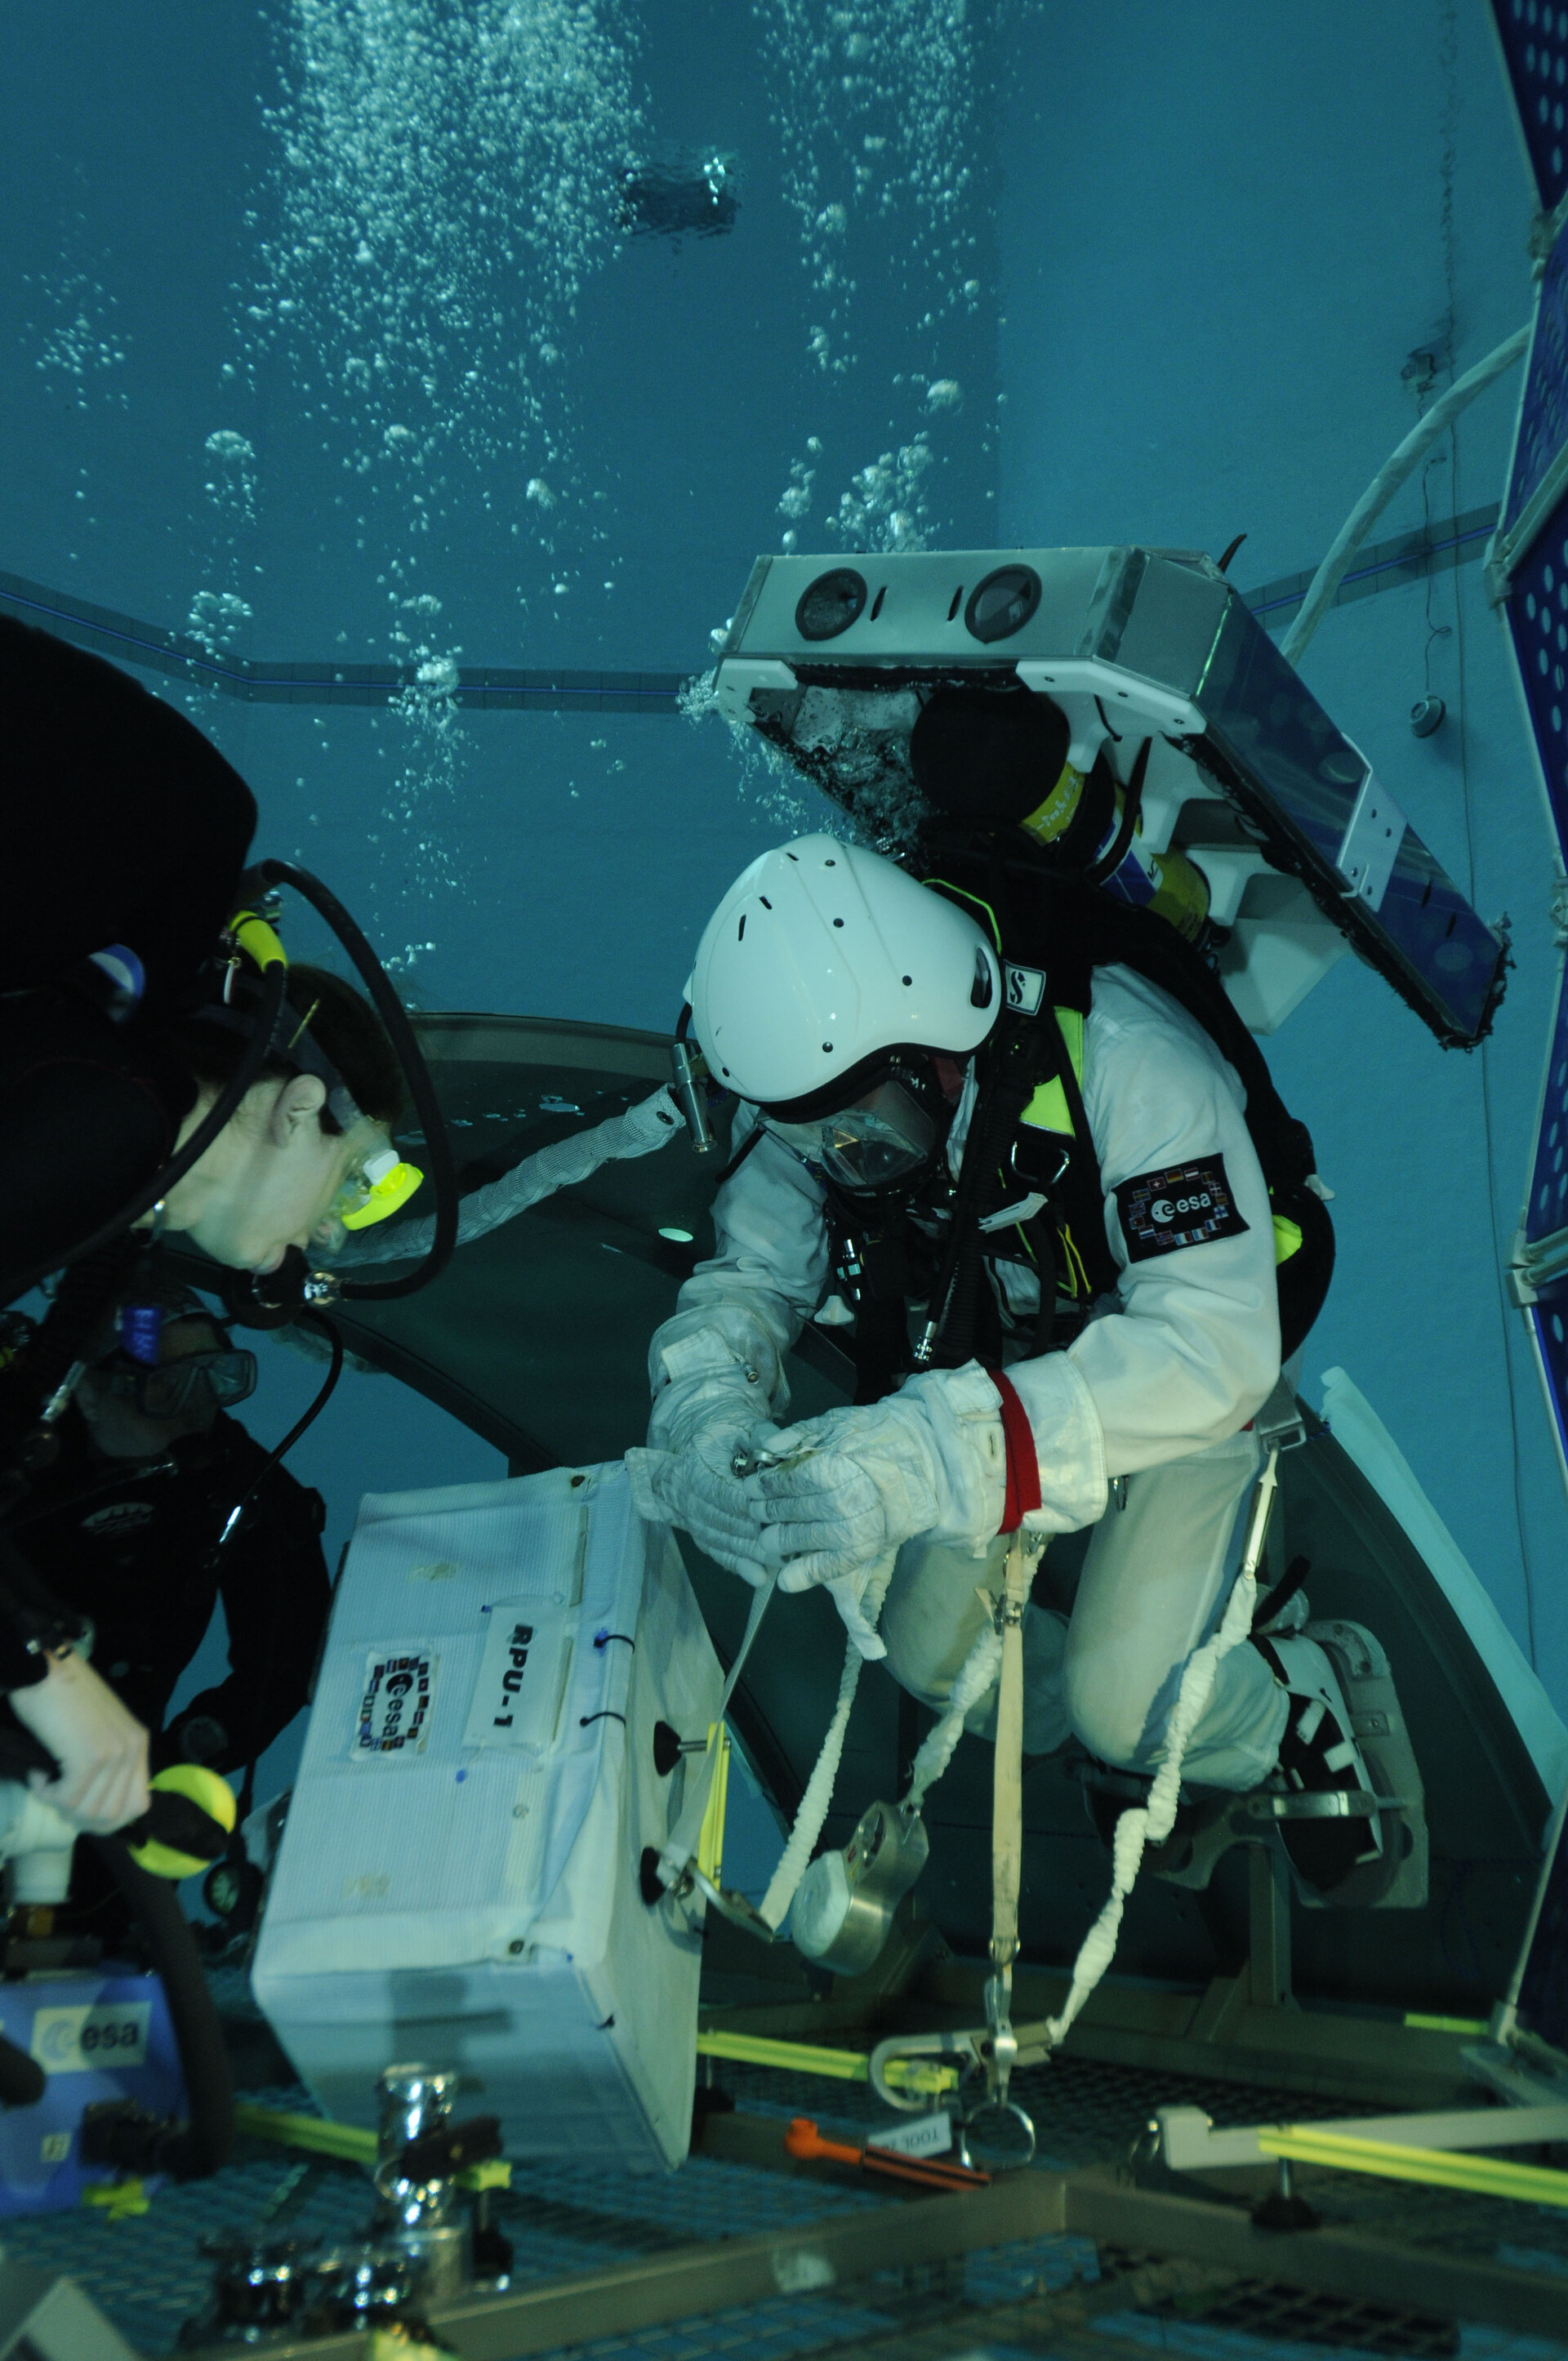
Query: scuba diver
point(666, 196)
point(162, 1070)
point(128, 1528)
point(1030, 1118)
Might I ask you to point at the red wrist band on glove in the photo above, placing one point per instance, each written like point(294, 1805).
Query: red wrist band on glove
point(1023, 1463)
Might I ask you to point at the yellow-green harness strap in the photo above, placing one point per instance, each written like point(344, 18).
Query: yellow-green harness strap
point(1049, 1111)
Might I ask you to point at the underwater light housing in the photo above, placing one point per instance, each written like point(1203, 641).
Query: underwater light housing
point(1303, 852)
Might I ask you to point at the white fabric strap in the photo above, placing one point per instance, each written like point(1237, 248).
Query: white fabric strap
point(1007, 1794)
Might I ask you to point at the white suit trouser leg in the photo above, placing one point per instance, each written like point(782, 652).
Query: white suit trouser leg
point(1155, 1580)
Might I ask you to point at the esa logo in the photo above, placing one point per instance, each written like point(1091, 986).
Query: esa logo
point(1166, 1210)
point(1181, 1205)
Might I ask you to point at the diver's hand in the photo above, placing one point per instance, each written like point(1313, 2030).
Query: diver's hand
point(100, 1747)
point(697, 1489)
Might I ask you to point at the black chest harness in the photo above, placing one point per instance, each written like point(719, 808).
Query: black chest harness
point(1029, 1188)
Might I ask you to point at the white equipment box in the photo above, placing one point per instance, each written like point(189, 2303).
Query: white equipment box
point(459, 1881)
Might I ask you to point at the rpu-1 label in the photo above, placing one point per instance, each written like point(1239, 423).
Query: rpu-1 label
point(518, 1693)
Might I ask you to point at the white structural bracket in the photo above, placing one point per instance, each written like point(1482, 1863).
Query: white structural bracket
point(1370, 846)
point(1188, 2142)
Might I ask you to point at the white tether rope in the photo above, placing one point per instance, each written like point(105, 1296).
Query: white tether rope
point(1151, 1823)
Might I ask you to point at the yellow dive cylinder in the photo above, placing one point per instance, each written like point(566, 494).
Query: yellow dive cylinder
point(1166, 883)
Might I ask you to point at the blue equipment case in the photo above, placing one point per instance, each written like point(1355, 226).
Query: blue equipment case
point(105, 2035)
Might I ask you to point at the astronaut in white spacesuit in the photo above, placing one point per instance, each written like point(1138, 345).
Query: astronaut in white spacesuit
point(916, 1101)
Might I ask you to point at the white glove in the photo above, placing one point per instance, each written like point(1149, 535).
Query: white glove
point(855, 1484)
point(697, 1489)
point(100, 1746)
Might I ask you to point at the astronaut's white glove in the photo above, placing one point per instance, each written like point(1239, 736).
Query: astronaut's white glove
point(696, 1488)
point(855, 1484)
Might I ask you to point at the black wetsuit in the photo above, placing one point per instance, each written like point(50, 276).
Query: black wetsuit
point(129, 1543)
point(119, 823)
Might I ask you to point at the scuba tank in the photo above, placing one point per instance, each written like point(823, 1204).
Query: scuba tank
point(981, 757)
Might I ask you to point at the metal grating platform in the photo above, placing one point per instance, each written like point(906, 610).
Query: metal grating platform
point(149, 2274)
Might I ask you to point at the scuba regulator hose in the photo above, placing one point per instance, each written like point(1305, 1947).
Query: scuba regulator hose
point(416, 1074)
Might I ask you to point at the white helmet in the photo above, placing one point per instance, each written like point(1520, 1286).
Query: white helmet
point(820, 956)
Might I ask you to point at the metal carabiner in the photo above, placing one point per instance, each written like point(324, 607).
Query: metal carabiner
point(900, 2046)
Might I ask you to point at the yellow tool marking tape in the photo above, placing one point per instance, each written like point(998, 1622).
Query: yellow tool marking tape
point(1470, 2026)
point(1484, 2176)
point(117, 2200)
point(843, 2065)
point(315, 2132)
point(710, 1836)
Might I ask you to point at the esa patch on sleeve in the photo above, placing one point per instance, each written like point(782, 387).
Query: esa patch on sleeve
point(1186, 1205)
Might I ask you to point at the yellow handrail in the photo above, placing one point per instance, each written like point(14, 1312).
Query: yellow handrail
point(1484, 2176)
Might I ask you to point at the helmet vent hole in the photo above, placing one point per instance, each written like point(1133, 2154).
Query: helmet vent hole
point(876, 603)
point(958, 601)
point(740, 929)
point(764, 901)
point(909, 978)
point(838, 922)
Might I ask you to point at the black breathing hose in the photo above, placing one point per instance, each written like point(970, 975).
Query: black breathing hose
point(202, 2144)
point(956, 1297)
point(22, 2078)
point(416, 1073)
point(274, 984)
point(308, 1418)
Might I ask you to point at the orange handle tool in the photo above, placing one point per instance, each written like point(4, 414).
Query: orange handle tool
point(803, 2139)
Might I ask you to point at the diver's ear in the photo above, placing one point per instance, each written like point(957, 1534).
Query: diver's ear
point(298, 1104)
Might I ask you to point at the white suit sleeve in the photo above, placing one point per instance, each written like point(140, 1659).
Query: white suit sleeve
point(740, 1310)
point(1192, 1348)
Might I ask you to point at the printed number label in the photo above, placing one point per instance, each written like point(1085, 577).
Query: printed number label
point(518, 1693)
point(80, 2041)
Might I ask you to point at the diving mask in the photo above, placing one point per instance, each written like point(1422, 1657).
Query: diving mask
point(171, 1388)
point(885, 1136)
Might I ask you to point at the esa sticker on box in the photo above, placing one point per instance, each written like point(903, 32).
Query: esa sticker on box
point(81, 2040)
point(393, 1721)
point(518, 1695)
